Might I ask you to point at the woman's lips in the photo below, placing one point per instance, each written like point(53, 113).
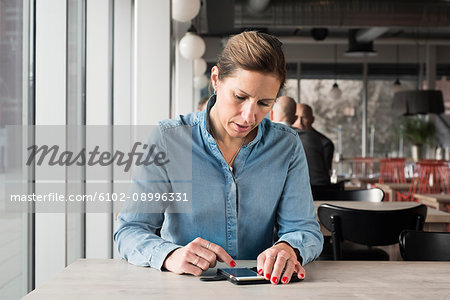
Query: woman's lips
point(241, 128)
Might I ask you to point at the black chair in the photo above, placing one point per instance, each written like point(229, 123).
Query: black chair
point(369, 228)
point(422, 245)
point(370, 195)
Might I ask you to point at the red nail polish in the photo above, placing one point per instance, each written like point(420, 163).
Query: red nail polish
point(302, 276)
point(260, 271)
point(285, 279)
point(268, 275)
point(275, 280)
point(233, 264)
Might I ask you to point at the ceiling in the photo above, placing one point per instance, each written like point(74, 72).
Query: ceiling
point(331, 19)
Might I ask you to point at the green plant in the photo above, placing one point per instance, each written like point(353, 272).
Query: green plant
point(418, 131)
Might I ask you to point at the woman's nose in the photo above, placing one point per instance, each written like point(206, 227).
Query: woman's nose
point(249, 112)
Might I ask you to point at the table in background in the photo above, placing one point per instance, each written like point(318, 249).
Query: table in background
point(437, 201)
point(391, 189)
point(116, 279)
point(360, 183)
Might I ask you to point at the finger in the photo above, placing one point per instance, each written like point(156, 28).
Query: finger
point(288, 270)
point(269, 262)
point(190, 257)
point(207, 245)
point(196, 260)
point(213, 265)
point(222, 255)
point(206, 254)
point(189, 268)
point(189, 263)
point(197, 247)
point(279, 265)
point(260, 263)
point(202, 263)
point(301, 273)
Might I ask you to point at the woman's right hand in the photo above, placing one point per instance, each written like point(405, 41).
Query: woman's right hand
point(196, 257)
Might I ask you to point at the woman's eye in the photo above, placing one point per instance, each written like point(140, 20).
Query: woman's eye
point(240, 97)
point(264, 104)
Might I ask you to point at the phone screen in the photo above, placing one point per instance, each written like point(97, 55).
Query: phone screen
point(241, 274)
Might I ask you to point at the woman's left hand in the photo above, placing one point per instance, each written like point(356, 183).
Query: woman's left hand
point(279, 260)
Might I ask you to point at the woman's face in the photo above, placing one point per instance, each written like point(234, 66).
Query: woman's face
point(243, 99)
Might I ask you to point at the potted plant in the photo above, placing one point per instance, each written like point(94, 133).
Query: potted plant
point(419, 133)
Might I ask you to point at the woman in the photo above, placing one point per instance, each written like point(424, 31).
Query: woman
point(248, 174)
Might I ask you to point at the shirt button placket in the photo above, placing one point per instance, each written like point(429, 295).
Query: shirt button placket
point(231, 215)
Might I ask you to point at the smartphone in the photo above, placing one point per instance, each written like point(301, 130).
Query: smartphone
point(241, 275)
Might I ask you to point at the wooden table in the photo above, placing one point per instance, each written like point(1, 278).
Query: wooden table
point(437, 201)
point(391, 189)
point(103, 279)
point(436, 220)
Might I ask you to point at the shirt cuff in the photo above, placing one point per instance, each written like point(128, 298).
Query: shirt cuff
point(160, 254)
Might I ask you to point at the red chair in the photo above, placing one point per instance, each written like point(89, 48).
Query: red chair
point(437, 174)
point(430, 177)
point(392, 170)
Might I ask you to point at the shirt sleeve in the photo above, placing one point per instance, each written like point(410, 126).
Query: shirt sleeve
point(139, 222)
point(296, 216)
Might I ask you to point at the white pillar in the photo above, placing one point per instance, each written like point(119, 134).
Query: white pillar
point(99, 72)
point(123, 11)
point(151, 61)
point(122, 61)
point(50, 228)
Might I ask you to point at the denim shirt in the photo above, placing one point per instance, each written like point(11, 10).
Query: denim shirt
point(235, 209)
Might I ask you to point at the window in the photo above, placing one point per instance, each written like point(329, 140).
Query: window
point(14, 231)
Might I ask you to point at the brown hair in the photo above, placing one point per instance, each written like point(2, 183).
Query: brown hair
point(202, 102)
point(253, 51)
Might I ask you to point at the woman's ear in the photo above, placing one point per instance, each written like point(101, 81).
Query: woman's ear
point(215, 77)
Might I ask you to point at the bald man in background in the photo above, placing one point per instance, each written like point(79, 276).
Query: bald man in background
point(304, 121)
point(283, 112)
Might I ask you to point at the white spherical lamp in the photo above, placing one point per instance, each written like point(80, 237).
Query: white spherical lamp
point(192, 46)
point(199, 66)
point(185, 10)
point(200, 81)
